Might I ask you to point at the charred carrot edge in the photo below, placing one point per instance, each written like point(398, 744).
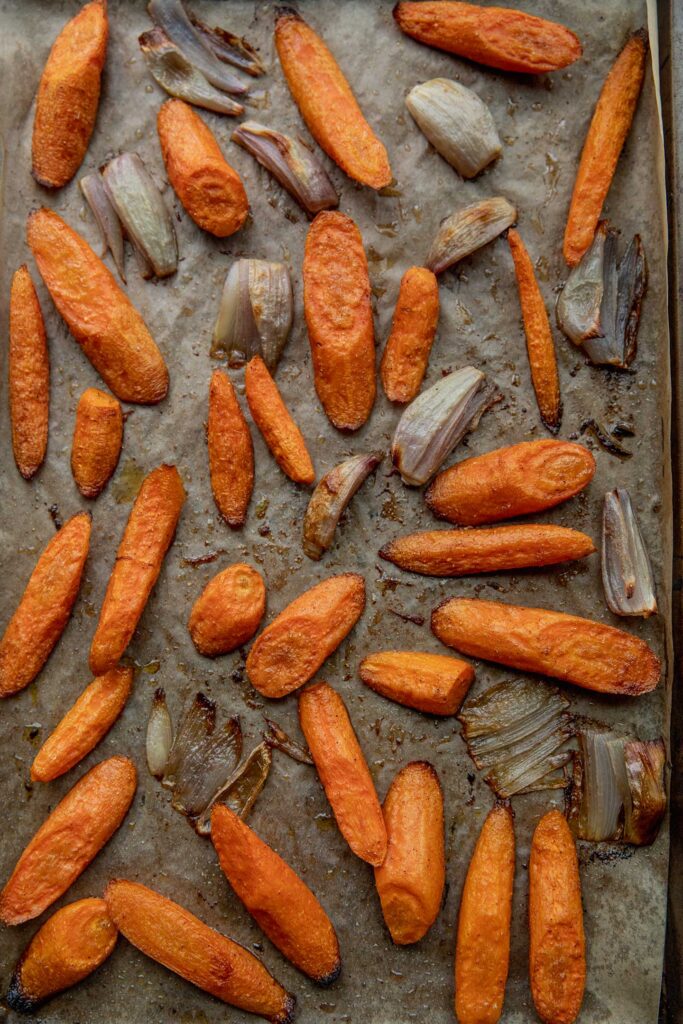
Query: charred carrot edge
point(147, 537)
point(231, 452)
point(73, 834)
point(343, 771)
point(280, 902)
point(496, 36)
point(208, 187)
point(557, 947)
point(98, 313)
point(29, 375)
point(406, 353)
point(579, 651)
point(272, 417)
point(228, 611)
point(291, 649)
point(96, 446)
point(327, 104)
point(339, 319)
point(45, 606)
point(434, 683)
point(84, 725)
point(174, 937)
point(65, 950)
point(69, 95)
point(482, 953)
point(410, 881)
point(539, 338)
point(608, 131)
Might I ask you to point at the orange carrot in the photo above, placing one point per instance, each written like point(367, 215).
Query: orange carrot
point(275, 422)
point(406, 355)
point(228, 611)
point(29, 375)
point(343, 771)
point(45, 606)
point(96, 447)
point(231, 452)
point(434, 683)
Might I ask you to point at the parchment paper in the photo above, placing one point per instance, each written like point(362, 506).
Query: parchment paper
point(542, 122)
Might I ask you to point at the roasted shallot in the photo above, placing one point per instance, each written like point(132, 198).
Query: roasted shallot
point(468, 229)
point(255, 313)
point(171, 16)
point(626, 571)
point(228, 47)
point(330, 499)
point(171, 69)
point(457, 123)
point(143, 214)
point(106, 218)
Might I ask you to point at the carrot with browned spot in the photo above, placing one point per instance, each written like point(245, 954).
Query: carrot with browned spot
point(276, 424)
point(96, 446)
point(433, 683)
point(406, 354)
point(29, 375)
point(228, 611)
point(231, 451)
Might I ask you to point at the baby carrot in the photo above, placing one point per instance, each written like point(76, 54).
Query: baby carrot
point(343, 771)
point(74, 833)
point(557, 947)
point(84, 725)
point(65, 950)
point(228, 611)
point(69, 95)
point(411, 879)
point(281, 903)
point(412, 332)
point(482, 951)
point(275, 422)
point(146, 539)
point(174, 937)
point(98, 313)
point(231, 452)
point(45, 606)
point(29, 375)
point(96, 446)
point(539, 338)
point(326, 102)
point(605, 140)
point(208, 187)
point(434, 683)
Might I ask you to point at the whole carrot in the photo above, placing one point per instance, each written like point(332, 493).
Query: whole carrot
point(327, 103)
point(100, 316)
point(146, 539)
point(579, 651)
point(81, 823)
point(406, 354)
point(69, 95)
point(45, 606)
point(231, 452)
point(275, 422)
point(482, 953)
point(228, 611)
point(96, 446)
point(605, 140)
point(411, 879)
point(343, 771)
point(434, 683)
point(539, 338)
point(65, 950)
point(281, 903)
point(339, 319)
point(557, 947)
point(29, 375)
point(174, 937)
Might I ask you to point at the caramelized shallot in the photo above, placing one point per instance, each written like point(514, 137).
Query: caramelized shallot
point(331, 497)
point(255, 313)
point(468, 229)
point(178, 77)
point(626, 571)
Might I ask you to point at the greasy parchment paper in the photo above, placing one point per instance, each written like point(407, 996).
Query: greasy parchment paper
point(542, 122)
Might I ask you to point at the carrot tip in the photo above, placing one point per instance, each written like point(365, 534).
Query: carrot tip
point(328, 979)
point(17, 999)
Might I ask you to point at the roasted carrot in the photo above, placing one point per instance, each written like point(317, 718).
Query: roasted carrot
point(511, 481)
point(496, 36)
point(292, 648)
point(73, 834)
point(69, 95)
point(411, 879)
point(482, 951)
point(65, 950)
point(539, 338)
point(100, 316)
point(326, 102)
point(208, 187)
point(579, 651)
point(146, 539)
point(605, 140)
point(465, 552)
point(343, 771)
point(45, 606)
point(434, 683)
point(84, 725)
point(231, 452)
point(406, 354)
point(228, 611)
point(275, 422)
point(557, 947)
point(96, 446)
point(174, 937)
point(281, 903)
point(29, 375)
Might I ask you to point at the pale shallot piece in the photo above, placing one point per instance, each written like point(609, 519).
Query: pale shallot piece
point(143, 214)
point(106, 218)
point(626, 571)
point(171, 16)
point(159, 735)
point(469, 229)
point(255, 314)
point(330, 499)
point(457, 123)
point(178, 77)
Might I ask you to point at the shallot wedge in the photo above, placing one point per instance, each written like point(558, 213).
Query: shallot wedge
point(255, 314)
point(468, 229)
point(171, 69)
point(143, 213)
point(457, 123)
point(330, 499)
point(626, 571)
point(106, 218)
point(171, 16)
point(229, 48)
